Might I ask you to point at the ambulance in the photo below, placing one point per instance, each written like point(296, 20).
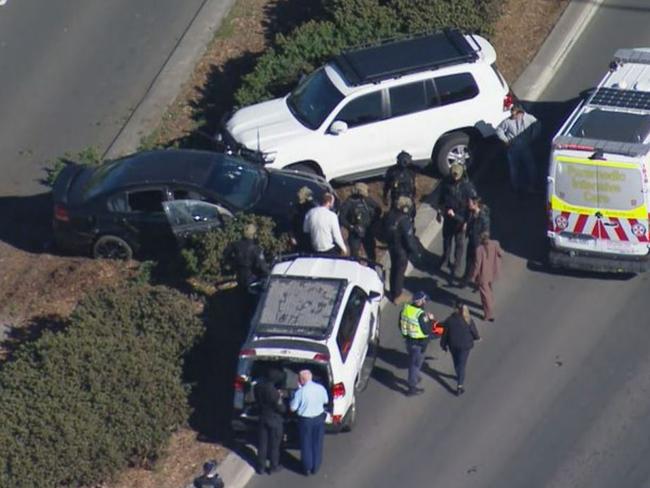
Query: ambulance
point(598, 203)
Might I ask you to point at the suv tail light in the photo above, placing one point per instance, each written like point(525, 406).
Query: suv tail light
point(321, 358)
point(239, 383)
point(61, 213)
point(508, 101)
point(246, 353)
point(338, 391)
point(337, 419)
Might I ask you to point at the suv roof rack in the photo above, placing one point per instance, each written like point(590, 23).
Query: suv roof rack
point(394, 58)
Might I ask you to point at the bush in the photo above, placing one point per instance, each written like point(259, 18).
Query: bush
point(353, 23)
point(81, 404)
point(204, 257)
point(89, 156)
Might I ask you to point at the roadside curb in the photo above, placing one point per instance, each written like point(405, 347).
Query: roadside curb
point(537, 75)
point(176, 71)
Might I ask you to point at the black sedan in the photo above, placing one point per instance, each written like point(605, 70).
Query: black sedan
point(145, 203)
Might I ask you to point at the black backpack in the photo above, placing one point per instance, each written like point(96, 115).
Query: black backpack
point(360, 216)
point(404, 183)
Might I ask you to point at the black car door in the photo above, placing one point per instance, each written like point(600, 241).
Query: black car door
point(143, 220)
point(192, 217)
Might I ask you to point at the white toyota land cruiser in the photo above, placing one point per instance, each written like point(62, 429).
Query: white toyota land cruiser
point(432, 96)
point(317, 313)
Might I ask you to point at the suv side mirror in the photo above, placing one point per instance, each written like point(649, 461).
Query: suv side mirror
point(338, 127)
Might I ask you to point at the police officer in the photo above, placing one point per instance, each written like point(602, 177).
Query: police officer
point(478, 222)
point(402, 245)
point(299, 238)
point(400, 180)
point(359, 215)
point(247, 258)
point(210, 478)
point(455, 190)
point(416, 327)
point(268, 395)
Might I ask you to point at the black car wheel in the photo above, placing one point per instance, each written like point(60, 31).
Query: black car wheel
point(112, 247)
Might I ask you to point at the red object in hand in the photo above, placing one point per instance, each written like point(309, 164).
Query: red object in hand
point(437, 328)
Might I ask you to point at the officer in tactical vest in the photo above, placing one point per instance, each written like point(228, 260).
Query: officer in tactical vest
point(455, 190)
point(416, 327)
point(359, 215)
point(402, 245)
point(210, 478)
point(247, 259)
point(478, 222)
point(400, 181)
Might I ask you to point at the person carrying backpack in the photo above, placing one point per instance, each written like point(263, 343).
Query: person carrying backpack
point(400, 181)
point(359, 215)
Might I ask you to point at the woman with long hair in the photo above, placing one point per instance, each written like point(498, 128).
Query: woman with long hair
point(458, 337)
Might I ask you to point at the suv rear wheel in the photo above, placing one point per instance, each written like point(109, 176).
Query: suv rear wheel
point(112, 247)
point(453, 148)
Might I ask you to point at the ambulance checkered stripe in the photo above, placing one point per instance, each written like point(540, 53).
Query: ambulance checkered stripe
point(612, 228)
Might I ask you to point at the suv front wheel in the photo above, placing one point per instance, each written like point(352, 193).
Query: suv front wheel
point(453, 148)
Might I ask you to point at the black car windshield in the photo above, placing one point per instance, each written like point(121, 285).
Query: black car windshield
point(103, 179)
point(314, 99)
point(238, 184)
point(612, 126)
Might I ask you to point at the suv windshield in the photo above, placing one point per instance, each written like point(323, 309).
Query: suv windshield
point(103, 178)
point(239, 185)
point(612, 126)
point(314, 99)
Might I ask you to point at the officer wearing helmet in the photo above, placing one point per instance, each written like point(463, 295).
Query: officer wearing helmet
point(455, 192)
point(359, 215)
point(400, 180)
point(402, 245)
point(210, 478)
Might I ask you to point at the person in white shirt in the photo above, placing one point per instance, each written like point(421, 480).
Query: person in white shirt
point(322, 225)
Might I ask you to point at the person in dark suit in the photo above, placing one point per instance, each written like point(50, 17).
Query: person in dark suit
point(458, 337)
point(271, 421)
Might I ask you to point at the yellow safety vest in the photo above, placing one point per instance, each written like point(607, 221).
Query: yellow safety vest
point(409, 322)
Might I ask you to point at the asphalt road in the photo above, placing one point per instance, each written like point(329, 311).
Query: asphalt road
point(72, 72)
point(557, 390)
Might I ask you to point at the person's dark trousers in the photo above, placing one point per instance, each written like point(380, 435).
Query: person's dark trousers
point(269, 440)
point(311, 431)
point(459, 357)
point(398, 263)
point(335, 251)
point(452, 233)
point(470, 259)
point(417, 350)
point(368, 243)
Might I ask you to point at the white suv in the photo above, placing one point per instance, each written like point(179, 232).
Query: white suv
point(317, 313)
point(432, 96)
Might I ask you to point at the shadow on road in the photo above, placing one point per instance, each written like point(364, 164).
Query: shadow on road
point(26, 222)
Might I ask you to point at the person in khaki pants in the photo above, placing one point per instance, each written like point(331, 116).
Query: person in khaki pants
point(487, 269)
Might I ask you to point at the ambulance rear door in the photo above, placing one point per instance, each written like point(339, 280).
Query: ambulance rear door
point(599, 203)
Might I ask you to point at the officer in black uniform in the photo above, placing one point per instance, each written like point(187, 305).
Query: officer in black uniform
point(402, 245)
point(478, 222)
point(400, 181)
point(246, 257)
point(271, 420)
point(455, 190)
point(359, 215)
point(299, 238)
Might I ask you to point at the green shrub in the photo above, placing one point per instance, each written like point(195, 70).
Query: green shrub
point(106, 392)
point(204, 256)
point(353, 23)
point(88, 156)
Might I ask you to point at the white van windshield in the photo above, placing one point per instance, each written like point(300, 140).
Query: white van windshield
point(597, 186)
point(608, 125)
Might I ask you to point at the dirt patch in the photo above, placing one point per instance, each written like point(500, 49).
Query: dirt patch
point(37, 287)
